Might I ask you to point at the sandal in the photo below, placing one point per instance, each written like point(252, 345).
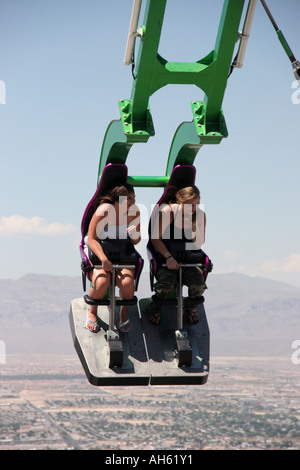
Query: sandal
point(192, 316)
point(152, 311)
point(123, 324)
point(93, 323)
point(154, 318)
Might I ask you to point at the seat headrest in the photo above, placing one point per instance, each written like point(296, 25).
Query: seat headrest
point(182, 175)
point(114, 174)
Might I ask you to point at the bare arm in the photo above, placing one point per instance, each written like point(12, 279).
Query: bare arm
point(97, 223)
point(134, 224)
point(162, 222)
point(199, 230)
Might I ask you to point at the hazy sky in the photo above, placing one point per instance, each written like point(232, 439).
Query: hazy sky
point(61, 76)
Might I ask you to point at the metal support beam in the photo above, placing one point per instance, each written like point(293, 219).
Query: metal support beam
point(153, 72)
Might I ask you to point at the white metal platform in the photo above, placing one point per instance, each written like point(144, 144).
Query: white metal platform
point(149, 351)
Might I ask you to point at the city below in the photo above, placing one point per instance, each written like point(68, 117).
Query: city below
point(248, 403)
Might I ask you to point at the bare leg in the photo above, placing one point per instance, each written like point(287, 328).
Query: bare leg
point(125, 282)
point(100, 284)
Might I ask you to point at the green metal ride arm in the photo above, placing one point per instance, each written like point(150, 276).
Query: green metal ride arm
point(153, 72)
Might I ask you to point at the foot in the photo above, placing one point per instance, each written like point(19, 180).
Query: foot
point(154, 318)
point(91, 322)
point(153, 313)
point(124, 324)
point(192, 315)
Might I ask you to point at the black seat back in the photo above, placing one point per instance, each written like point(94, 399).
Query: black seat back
point(114, 174)
point(181, 176)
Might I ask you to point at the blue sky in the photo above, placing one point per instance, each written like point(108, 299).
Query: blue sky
point(62, 74)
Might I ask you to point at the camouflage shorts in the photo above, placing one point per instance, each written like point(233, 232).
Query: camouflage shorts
point(166, 285)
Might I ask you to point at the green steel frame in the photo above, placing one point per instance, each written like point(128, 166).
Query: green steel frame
point(153, 72)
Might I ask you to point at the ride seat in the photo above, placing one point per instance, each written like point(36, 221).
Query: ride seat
point(181, 176)
point(114, 174)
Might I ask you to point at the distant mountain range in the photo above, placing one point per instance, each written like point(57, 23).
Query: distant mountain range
point(247, 316)
point(252, 315)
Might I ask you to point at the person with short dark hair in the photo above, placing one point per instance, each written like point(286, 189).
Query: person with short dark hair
point(117, 217)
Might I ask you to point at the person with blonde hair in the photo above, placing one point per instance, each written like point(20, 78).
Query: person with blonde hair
point(181, 223)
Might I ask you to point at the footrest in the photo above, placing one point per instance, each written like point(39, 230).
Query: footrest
point(132, 301)
point(169, 301)
point(90, 301)
point(184, 349)
point(188, 302)
point(115, 349)
point(106, 302)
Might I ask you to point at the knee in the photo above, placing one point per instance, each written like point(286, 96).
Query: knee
point(196, 290)
point(164, 290)
point(126, 287)
point(100, 285)
point(166, 283)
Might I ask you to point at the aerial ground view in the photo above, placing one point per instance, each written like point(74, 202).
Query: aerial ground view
point(246, 404)
point(117, 98)
point(250, 401)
